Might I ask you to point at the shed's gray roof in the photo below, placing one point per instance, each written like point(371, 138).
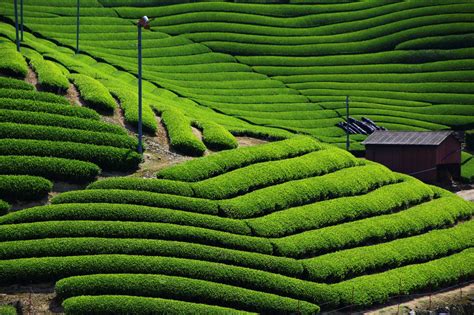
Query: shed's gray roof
point(407, 137)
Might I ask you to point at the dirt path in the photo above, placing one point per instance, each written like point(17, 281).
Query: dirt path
point(466, 194)
point(248, 141)
point(34, 299)
point(73, 95)
point(32, 78)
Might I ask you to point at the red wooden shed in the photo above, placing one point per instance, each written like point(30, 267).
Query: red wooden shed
point(432, 156)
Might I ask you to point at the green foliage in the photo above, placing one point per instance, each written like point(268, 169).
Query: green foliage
point(94, 93)
point(51, 168)
point(35, 118)
point(467, 171)
point(131, 183)
point(383, 200)
point(179, 288)
point(223, 162)
point(12, 62)
point(378, 288)
point(124, 212)
point(45, 107)
point(216, 137)
point(4, 207)
point(106, 157)
point(362, 260)
point(180, 133)
point(7, 310)
point(20, 131)
point(33, 95)
point(117, 304)
point(8, 83)
point(50, 76)
point(438, 213)
point(139, 198)
point(21, 187)
point(345, 182)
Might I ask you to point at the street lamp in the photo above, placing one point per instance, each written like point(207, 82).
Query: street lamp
point(77, 27)
point(17, 38)
point(143, 22)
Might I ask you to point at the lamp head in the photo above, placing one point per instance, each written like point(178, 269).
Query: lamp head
point(144, 22)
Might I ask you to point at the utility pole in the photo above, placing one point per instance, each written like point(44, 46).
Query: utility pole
point(17, 38)
point(21, 18)
point(143, 22)
point(348, 143)
point(77, 26)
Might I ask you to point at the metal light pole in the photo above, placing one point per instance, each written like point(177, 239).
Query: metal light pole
point(143, 22)
point(21, 18)
point(16, 26)
point(347, 121)
point(77, 27)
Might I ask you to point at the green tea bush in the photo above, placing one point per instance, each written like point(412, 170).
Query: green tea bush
point(379, 288)
point(180, 133)
point(94, 93)
point(152, 185)
point(50, 76)
point(139, 198)
point(119, 304)
point(9, 83)
point(255, 176)
point(226, 161)
point(124, 212)
point(362, 260)
point(383, 200)
point(4, 207)
point(36, 270)
point(12, 62)
point(438, 213)
point(467, 171)
point(346, 182)
point(7, 310)
point(180, 288)
point(45, 107)
point(35, 118)
point(22, 187)
point(88, 246)
point(33, 95)
point(51, 168)
point(106, 157)
point(216, 137)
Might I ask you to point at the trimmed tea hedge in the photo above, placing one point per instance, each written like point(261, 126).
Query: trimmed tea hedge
point(179, 288)
point(216, 137)
point(119, 304)
point(438, 213)
point(12, 62)
point(124, 212)
point(180, 133)
point(21, 131)
point(94, 93)
point(98, 246)
point(104, 156)
point(139, 198)
point(152, 185)
point(362, 260)
point(4, 207)
point(345, 182)
point(226, 161)
point(33, 95)
point(45, 107)
point(378, 288)
point(51, 168)
point(8, 83)
point(7, 310)
point(22, 187)
point(50, 76)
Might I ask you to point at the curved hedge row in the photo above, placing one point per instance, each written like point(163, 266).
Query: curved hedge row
point(4, 207)
point(139, 198)
point(255, 176)
point(117, 304)
point(180, 133)
point(35, 118)
point(9, 83)
point(36, 270)
point(45, 107)
point(383, 200)
point(146, 230)
point(216, 137)
point(163, 186)
point(180, 288)
point(21, 131)
point(50, 76)
point(106, 157)
point(345, 182)
point(94, 93)
point(124, 212)
point(22, 187)
point(378, 288)
point(438, 213)
point(34, 96)
point(362, 260)
point(12, 62)
point(58, 247)
point(51, 168)
point(226, 161)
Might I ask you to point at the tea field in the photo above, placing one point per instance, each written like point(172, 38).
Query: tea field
point(294, 224)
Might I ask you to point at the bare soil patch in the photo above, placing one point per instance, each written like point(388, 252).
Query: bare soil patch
point(72, 94)
point(32, 299)
point(249, 141)
point(32, 78)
